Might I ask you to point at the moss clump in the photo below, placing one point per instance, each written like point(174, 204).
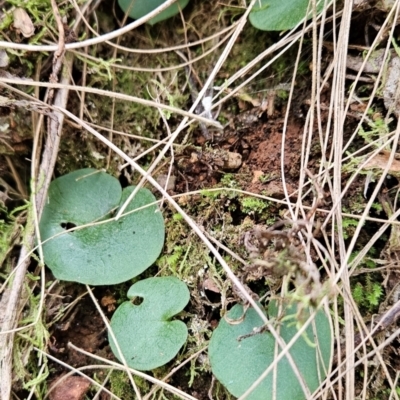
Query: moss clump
point(121, 386)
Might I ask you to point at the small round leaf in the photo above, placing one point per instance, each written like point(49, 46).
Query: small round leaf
point(278, 15)
point(238, 360)
point(139, 8)
point(146, 336)
point(102, 254)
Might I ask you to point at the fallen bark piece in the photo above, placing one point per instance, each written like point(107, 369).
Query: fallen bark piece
point(71, 388)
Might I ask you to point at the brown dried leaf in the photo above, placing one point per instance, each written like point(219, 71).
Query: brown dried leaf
point(381, 160)
point(209, 284)
point(109, 302)
point(23, 23)
point(4, 59)
point(71, 388)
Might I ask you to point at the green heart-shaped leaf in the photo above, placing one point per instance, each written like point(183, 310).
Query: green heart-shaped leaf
point(278, 15)
point(146, 336)
point(237, 361)
point(139, 8)
point(103, 254)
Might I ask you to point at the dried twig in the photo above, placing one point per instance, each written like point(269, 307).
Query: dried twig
point(11, 300)
point(381, 324)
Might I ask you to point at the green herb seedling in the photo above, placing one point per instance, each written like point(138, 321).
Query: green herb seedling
point(278, 15)
point(145, 334)
point(107, 252)
point(139, 8)
point(239, 359)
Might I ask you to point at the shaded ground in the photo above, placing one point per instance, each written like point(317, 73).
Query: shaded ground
point(252, 133)
point(259, 144)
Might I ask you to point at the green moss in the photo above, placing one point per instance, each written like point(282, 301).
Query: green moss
point(253, 205)
point(377, 127)
point(368, 294)
point(133, 117)
point(121, 386)
point(229, 180)
point(27, 363)
point(9, 230)
point(77, 152)
point(349, 225)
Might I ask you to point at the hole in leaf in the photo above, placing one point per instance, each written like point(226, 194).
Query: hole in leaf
point(137, 301)
point(137, 328)
point(88, 195)
point(67, 225)
point(123, 180)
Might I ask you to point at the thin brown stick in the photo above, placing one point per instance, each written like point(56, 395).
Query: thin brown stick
point(59, 54)
point(13, 297)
